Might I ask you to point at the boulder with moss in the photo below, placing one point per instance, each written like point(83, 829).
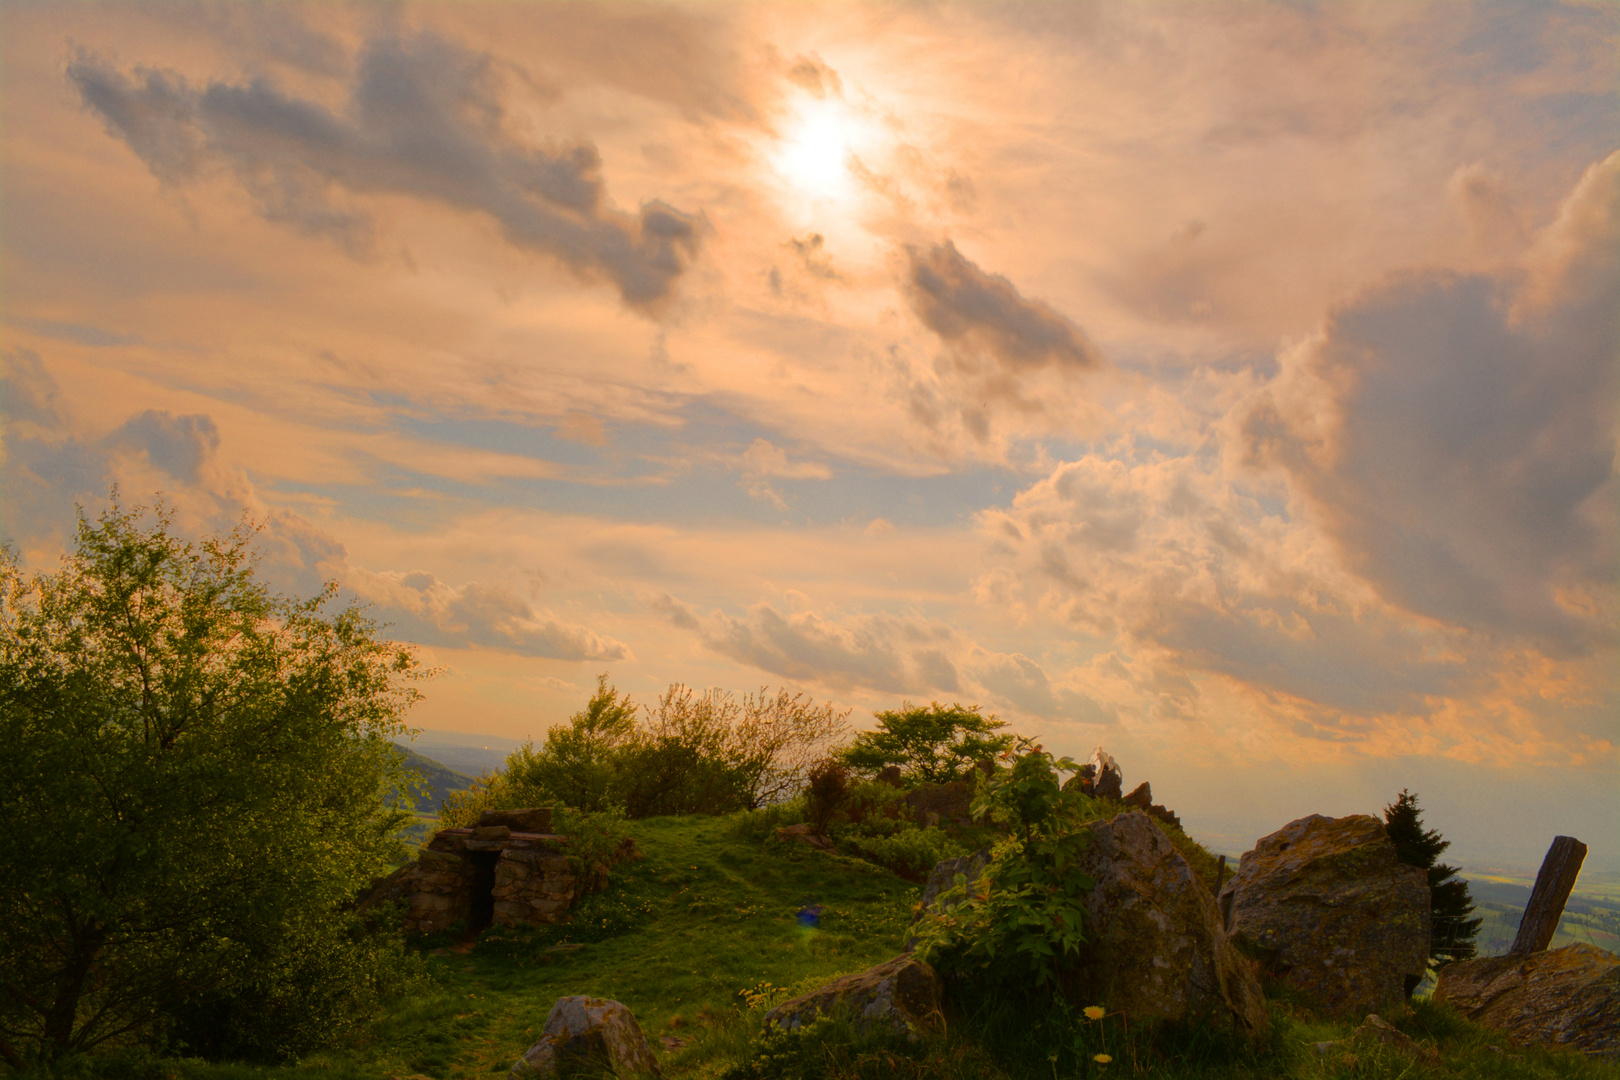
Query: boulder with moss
point(901, 995)
point(1326, 906)
point(1154, 947)
point(586, 1036)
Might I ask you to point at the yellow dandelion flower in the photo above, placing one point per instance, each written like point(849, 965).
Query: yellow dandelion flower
point(1101, 1059)
point(1093, 1012)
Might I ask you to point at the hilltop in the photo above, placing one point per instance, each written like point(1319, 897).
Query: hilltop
point(719, 919)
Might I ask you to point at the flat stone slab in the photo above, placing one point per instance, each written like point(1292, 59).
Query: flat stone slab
point(1564, 997)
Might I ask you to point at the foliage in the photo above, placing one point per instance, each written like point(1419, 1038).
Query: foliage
point(692, 753)
point(194, 784)
point(1453, 933)
point(1022, 918)
point(825, 791)
point(910, 852)
point(931, 745)
point(579, 765)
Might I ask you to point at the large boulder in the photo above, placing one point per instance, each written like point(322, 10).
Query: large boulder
point(1567, 997)
point(586, 1036)
point(1324, 904)
point(901, 995)
point(1155, 948)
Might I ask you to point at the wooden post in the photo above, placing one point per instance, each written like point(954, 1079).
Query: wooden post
point(1557, 877)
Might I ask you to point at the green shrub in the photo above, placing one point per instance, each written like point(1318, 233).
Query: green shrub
point(910, 852)
point(1022, 919)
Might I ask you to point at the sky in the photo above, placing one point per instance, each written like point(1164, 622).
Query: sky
point(1229, 385)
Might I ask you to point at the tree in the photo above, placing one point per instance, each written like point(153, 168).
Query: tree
point(1452, 932)
point(929, 745)
point(579, 765)
point(192, 787)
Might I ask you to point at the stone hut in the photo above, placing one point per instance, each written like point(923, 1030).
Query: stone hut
point(508, 871)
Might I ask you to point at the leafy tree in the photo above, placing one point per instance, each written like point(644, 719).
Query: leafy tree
point(929, 745)
point(1452, 932)
point(580, 765)
point(192, 786)
point(1022, 918)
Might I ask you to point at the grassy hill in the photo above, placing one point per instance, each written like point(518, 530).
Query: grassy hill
point(702, 934)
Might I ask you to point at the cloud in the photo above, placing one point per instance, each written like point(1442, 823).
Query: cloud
point(761, 461)
point(813, 74)
point(965, 305)
point(1455, 434)
point(424, 119)
point(421, 608)
point(903, 654)
point(1004, 352)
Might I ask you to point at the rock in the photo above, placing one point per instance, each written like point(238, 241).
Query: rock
point(1141, 797)
point(588, 1036)
point(1155, 948)
point(1085, 779)
point(492, 832)
point(1110, 782)
point(1324, 904)
point(1567, 997)
point(902, 995)
point(942, 877)
point(535, 819)
point(1376, 1029)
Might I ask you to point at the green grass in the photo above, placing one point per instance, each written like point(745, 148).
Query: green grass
point(699, 938)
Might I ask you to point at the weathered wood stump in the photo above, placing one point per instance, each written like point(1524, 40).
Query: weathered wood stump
point(1553, 885)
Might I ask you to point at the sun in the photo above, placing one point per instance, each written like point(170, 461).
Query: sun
point(816, 152)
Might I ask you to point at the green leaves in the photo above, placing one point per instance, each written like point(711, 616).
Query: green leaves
point(194, 777)
point(1024, 916)
point(931, 745)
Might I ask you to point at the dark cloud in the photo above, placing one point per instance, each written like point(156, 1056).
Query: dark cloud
point(964, 305)
point(424, 119)
point(1469, 470)
point(812, 73)
point(182, 446)
point(1003, 351)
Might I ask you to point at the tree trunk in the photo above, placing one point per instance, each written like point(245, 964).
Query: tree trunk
point(64, 1010)
point(1553, 884)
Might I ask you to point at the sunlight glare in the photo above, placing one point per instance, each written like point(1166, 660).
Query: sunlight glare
point(815, 156)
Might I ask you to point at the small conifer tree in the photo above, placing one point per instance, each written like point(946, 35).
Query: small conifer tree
point(1452, 932)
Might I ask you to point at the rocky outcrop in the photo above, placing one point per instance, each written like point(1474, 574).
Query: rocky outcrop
point(1324, 904)
point(1141, 797)
point(535, 819)
point(587, 1036)
point(1155, 949)
point(901, 995)
point(1109, 782)
point(1376, 1029)
point(1567, 997)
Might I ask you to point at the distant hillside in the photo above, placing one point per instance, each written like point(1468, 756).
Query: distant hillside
point(471, 755)
point(439, 779)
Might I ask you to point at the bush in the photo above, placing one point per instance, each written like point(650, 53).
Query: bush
point(825, 793)
point(1022, 919)
point(1452, 932)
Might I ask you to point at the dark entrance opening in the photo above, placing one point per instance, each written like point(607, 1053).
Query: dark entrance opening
point(481, 911)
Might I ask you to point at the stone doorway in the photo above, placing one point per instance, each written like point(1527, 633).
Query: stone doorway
point(481, 908)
